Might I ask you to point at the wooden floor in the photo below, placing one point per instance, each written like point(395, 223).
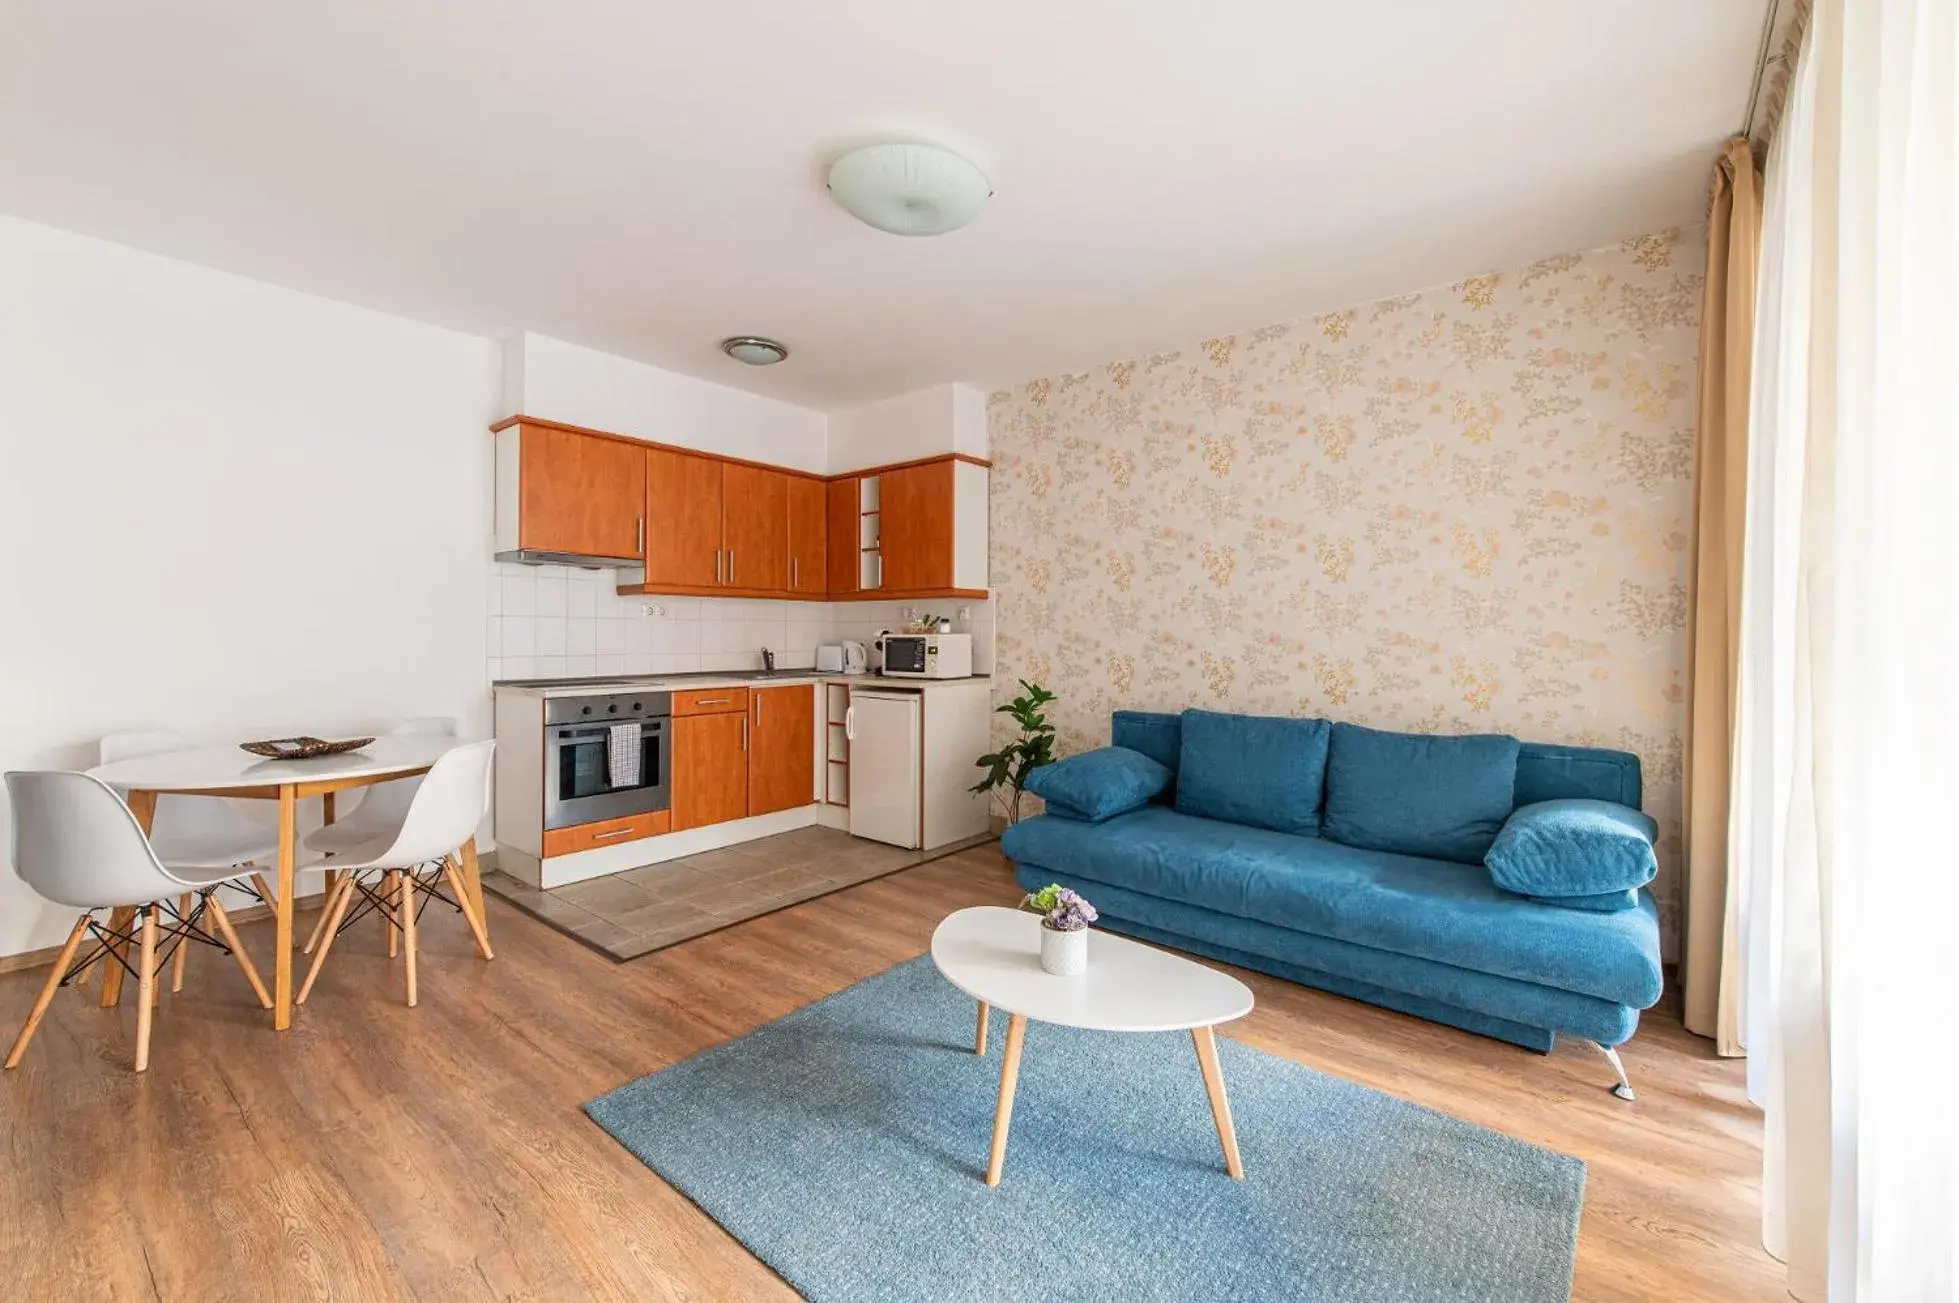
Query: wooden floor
point(377, 1151)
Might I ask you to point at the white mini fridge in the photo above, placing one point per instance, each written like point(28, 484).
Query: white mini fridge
point(884, 729)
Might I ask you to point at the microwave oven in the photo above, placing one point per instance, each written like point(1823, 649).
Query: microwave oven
point(928, 655)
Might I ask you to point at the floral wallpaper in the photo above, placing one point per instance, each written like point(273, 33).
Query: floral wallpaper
point(1464, 510)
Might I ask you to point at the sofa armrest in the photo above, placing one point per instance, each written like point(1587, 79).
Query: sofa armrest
point(1572, 849)
point(1099, 784)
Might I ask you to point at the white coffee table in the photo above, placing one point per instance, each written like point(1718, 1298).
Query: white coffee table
point(994, 955)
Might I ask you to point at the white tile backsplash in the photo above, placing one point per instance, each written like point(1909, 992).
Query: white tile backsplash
point(556, 622)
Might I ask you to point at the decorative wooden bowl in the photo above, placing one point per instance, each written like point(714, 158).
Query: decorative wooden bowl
point(302, 748)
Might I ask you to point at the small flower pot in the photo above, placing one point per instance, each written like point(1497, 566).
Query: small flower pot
point(1065, 954)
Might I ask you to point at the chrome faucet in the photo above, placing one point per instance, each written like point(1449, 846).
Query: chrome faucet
point(768, 661)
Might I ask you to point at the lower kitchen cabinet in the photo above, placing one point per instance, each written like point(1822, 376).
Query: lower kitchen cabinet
point(710, 768)
point(781, 748)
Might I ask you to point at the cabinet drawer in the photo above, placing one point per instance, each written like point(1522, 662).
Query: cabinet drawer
point(605, 832)
point(711, 701)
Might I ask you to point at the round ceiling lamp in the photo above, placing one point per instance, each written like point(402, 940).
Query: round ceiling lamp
point(754, 350)
point(909, 189)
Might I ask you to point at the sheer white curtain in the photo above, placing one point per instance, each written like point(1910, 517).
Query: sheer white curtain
point(1845, 833)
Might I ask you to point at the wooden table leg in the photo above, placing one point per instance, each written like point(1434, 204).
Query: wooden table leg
point(1207, 1061)
point(1003, 1114)
point(282, 909)
point(473, 883)
point(329, 811)
point(143, 806)
point(979, 1037)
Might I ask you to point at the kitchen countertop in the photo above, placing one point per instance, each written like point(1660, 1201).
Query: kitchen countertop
point(711, 679)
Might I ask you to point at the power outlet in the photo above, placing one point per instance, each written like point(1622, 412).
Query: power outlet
point(652, 608)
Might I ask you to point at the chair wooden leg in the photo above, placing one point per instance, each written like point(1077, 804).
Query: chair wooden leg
point(145, 987)
point(342, 895)
point(332, 889)
point(405, 894)
point(120, 920)
point(222, 921)
point(181, 960)
point(391, 892)
point(46, 998)
point(455, 880)
point(264, 889)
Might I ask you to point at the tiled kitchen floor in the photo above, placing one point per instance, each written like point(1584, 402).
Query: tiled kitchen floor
point(642, 910)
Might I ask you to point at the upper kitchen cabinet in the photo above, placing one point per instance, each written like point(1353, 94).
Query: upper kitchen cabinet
point(808, 528)
point(568, 495)
point(922, 532)
point(755, 527)
point(683, 506)
point(845, 528)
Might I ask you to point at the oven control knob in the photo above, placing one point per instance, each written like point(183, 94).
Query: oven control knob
point(613, 709)
point(584, 710)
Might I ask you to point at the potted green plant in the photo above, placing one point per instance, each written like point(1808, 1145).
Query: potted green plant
point(1064, 928)
point(1009, 766)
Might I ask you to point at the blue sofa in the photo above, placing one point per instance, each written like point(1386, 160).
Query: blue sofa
point(1432, 937)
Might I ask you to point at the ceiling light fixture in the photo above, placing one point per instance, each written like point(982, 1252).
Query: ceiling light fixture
point(754, 350)
point(909, 189)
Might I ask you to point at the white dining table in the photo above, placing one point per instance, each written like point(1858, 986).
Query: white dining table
point(232, 772)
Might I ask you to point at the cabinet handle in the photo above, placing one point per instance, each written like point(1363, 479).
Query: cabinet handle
point(757, 698)
point(744, 732)
point(795, 572)
point(712, 701)
point(717, 566)
point(731, 565)
point(616, 832)
point(639, 533)
point(850, 723)
point(880, 571)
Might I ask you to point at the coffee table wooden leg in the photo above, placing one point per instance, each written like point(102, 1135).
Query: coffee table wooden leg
point(979, 1037)
point(1003, 1115)
point(1207, 1060)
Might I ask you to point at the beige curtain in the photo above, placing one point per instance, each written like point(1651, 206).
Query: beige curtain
point(1710, 968)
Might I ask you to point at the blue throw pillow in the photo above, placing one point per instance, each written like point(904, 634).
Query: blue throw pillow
point(1574, 848)
point(1260, 770)
point(1098, 785)
point(1442, 798)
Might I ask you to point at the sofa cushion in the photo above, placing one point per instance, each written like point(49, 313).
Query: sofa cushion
point(1426, 908)
point(1573, 848)
point(1096, 785)
point(1260, 770)
point(1416, 794)
point(1156, 735)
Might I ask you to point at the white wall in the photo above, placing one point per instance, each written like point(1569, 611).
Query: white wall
point(925, 422)
point(228, 509)
point(556, 381)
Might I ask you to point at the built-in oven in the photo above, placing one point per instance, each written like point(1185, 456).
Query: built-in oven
point(606, 757)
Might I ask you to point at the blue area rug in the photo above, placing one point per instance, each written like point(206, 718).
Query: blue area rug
point(846, 1145)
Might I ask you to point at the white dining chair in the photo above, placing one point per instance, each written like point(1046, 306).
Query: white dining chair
point(77, 844)
point(395, 874)
point(192, 834)
point(380, 813)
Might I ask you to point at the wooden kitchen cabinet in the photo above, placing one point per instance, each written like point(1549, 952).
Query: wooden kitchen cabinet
point(845, 534)
point(683, 513)
point(808, 529)
point(710, 769)
point(781, 748)
point(559, 491)
point(915, 526)
point(755, 527)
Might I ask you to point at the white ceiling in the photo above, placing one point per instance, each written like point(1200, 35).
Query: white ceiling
point(645, 176)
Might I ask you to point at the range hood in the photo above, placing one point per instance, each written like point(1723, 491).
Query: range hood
point(535, 557)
